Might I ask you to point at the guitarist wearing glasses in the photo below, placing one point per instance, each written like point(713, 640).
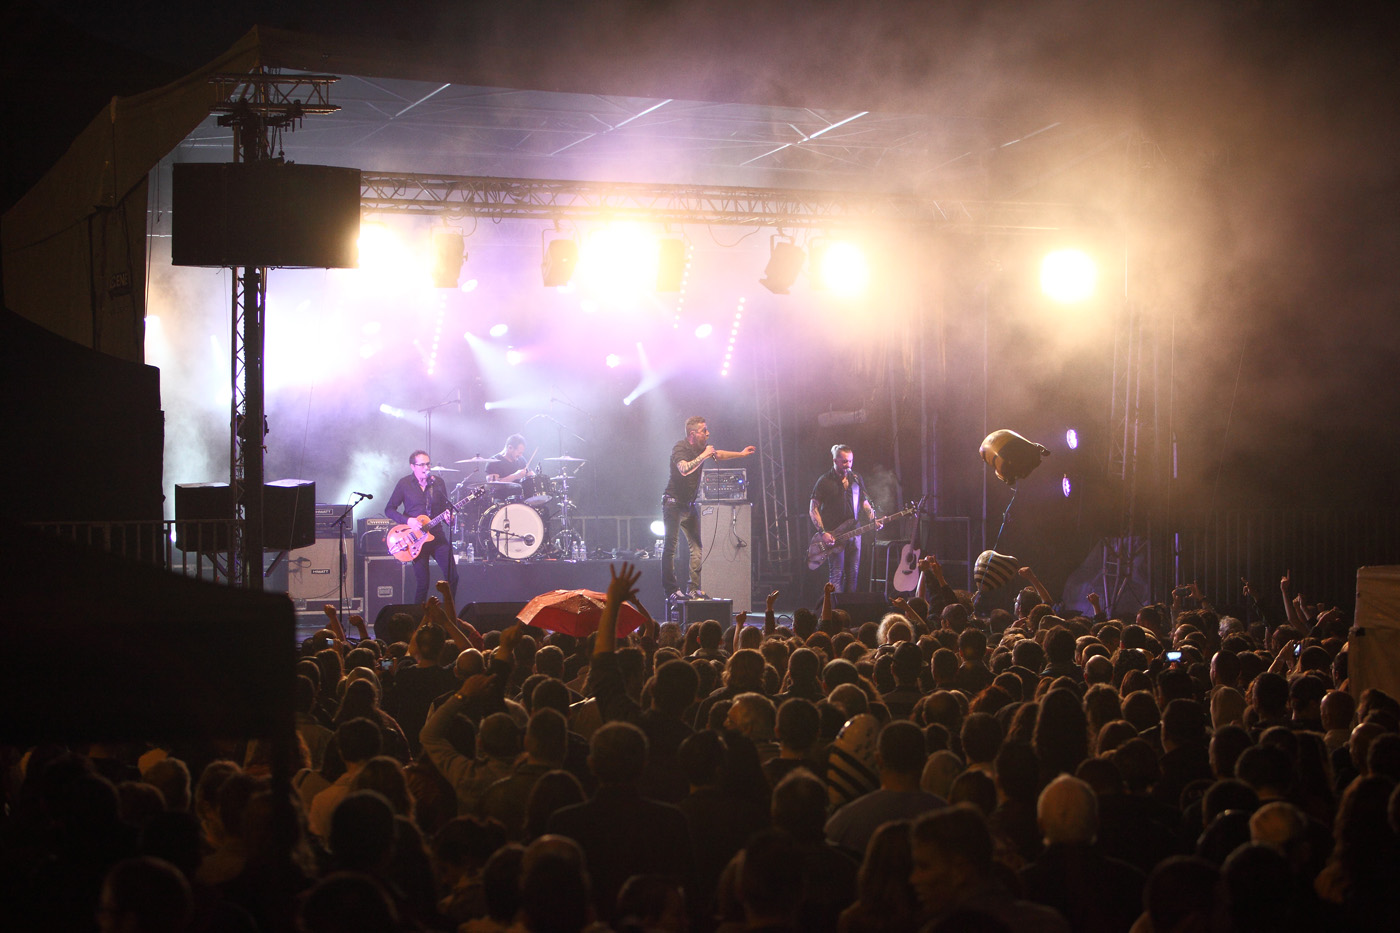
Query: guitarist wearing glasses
point(415, 498)
point(838, 499)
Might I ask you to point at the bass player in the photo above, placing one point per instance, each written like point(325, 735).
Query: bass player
point(418, 495)
point(838, 498)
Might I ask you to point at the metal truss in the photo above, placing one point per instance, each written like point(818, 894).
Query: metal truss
point(775, 563)
point(1124, 554)
point(543, 199)
point(258, 105)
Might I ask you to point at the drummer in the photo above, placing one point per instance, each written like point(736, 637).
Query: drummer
point(509, 465)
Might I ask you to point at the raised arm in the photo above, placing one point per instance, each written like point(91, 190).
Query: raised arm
point(1040, 589)
point(734, 454)
point(770, 621)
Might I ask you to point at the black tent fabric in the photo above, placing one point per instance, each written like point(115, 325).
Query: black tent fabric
point(101, 648)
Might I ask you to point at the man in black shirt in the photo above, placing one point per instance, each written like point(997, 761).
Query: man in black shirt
point(839, 496)
point(509, 465)
point(678, 509)
point(423, 492)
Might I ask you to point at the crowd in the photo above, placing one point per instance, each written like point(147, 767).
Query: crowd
point(942, 770)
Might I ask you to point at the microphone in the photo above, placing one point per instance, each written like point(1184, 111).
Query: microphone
point(362, 495)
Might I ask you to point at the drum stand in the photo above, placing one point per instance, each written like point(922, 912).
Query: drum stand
point(567, 537)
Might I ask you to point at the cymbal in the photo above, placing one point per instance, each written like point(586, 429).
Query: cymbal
point(442, 470)
point(475, 461)
point(564, 460)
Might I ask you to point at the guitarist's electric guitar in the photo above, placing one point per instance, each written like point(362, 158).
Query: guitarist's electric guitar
point(817, 552)
point(406, 544)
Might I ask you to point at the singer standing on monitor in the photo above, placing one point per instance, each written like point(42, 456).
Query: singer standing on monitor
point(838, 499)
point(678, 509)
point(420, 493)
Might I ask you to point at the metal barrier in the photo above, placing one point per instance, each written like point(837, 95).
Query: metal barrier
point(1321, 550)
point(190, 548)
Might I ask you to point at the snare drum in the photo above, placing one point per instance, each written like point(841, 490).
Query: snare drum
point(536, 489)
point(513, 530)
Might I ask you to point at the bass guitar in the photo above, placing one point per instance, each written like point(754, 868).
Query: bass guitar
point(818, 552)
point(406, 544)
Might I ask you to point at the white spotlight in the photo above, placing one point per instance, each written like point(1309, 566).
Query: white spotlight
point(704, 330)
point(499, 330)
point(613, 361)
point(658, 528)
point(1068, 275)
point(1072, 439)
point(514, 357)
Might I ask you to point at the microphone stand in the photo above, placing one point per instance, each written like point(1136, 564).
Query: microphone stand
point(428, 412)
point(340, 561)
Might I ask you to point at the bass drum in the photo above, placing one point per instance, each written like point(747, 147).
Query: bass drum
point(512, 529)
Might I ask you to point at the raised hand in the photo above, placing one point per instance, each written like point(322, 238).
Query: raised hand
point(751, 449)
point(623, 585)
point(828, 588)
point(772, 598)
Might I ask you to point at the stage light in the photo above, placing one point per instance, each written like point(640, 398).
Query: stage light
point(499, 330)
point(619, 262)
point(449, 253)
point(560, 260)
point(392, 411)
point(672, 260)
point(839, 267)
point(386, 263)
point(785, 261)
point(1072, 439)
point(469, 286)
point(514, 357)
point(613, 361)
point(658, 528)
point(1065, 486)
point(704, 330)
point(1067, 275)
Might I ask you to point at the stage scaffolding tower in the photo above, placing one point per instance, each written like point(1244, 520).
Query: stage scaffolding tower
point(775, 564)
point(258, 106)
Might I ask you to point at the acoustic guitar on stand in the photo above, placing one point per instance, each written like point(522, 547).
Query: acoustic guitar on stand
point(817, 552)
point(406, 544)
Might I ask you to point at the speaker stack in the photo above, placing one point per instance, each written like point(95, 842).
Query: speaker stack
point(726, 530)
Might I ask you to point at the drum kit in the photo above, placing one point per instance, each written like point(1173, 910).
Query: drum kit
point(528, 520)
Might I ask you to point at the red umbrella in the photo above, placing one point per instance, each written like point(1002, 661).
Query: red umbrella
point(576, 612)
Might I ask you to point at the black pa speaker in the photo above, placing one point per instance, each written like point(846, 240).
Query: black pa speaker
point(487, 617)
point(289, 514)
point(862, 607)
point(202, 514)
point(265, 214)
point(389, 631)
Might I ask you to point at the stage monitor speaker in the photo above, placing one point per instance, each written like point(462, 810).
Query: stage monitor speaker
point(202, 515)
point(488, 617)
point(265, 213)
point(690, 611)
point(289, 514)
point(313, 574)
point(726, 530)
point(387, 630)
point(863, 607)
point(386, 583)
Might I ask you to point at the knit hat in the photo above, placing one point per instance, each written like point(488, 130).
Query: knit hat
point(850, 766)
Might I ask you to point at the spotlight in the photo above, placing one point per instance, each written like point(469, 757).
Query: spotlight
point(1067, 275)
point(658, 528)
point(613, 360)
point(1072, 439)
point(784, 263)
point(1065, 486)
point(840, 267)
point(499, 330)
point(514, 357)
point(560, 260)
point(704, 330)
point(670, 264)
point(449, 252)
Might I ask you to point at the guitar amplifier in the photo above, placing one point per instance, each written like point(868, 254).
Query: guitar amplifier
point(371, 536)
point(725, 484)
